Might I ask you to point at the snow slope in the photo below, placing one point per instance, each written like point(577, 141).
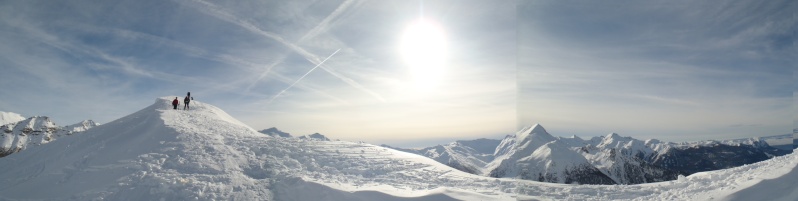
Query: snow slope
point(204, 154)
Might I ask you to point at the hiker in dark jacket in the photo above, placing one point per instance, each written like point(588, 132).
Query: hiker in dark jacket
point(175, 102)
point(186, 100)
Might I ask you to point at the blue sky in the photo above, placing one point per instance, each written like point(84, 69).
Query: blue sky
point(75, 60)
point(671, 70)
point(363, 70)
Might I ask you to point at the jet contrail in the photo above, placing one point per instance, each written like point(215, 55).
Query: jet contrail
point(325, 23)
point(313, 32)
point(213, 10)
point(303, 76)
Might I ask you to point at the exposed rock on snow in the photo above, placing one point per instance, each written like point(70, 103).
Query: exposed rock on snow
point(31, 131)
point(37, 130)
point(533, 154)
point(624, 160)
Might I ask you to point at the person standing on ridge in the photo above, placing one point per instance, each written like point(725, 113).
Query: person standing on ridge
point(175, 102)
point(186, 100)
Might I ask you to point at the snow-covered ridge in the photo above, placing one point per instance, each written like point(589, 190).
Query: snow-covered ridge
point(465, 155)
point(274, 132)
point(36, 130)
point(204, 154)
point(624, 160)
point(314, 136)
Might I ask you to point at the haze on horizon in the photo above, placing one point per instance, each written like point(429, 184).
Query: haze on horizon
point(411, 72)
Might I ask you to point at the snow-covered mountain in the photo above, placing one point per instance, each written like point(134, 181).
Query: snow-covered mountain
point(79, 127)
point(534, 154)
point(204, 154)
point(37, 130)
point(465, 155)
point(314, 136)
point(274, 132)
point(10, 117)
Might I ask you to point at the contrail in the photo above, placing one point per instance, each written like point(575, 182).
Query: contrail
point(313, 32)
point(213, 10)
point(303, 76)
point(325, 23)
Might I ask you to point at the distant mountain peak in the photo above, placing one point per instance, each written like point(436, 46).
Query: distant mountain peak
point(80, 126)
point(10, 117)
point(36, 130)
point(315, 136)
point(274, 132)
point(534, 132)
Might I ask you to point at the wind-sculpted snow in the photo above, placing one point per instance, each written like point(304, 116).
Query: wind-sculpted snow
point(204, 154)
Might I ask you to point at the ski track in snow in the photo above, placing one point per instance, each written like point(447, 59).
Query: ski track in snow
point(204, 154)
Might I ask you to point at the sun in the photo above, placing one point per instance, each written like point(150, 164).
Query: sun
point(423, 49)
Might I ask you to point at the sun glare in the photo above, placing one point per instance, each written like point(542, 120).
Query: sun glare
point(423, 48)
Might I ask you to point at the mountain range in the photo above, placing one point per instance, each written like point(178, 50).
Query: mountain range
point(274, 132)
point(534, 154)
point(158, 153)
point(18, 132)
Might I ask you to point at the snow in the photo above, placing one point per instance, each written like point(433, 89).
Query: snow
point(10, 117)
point(80, 127)
point(159, 153)
point(36, 130)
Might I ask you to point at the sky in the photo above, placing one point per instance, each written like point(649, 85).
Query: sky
point(670, 70)
point(413, 73)
point(405, 73)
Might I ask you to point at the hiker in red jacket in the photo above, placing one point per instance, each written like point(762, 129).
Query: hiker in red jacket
point(175, 102)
